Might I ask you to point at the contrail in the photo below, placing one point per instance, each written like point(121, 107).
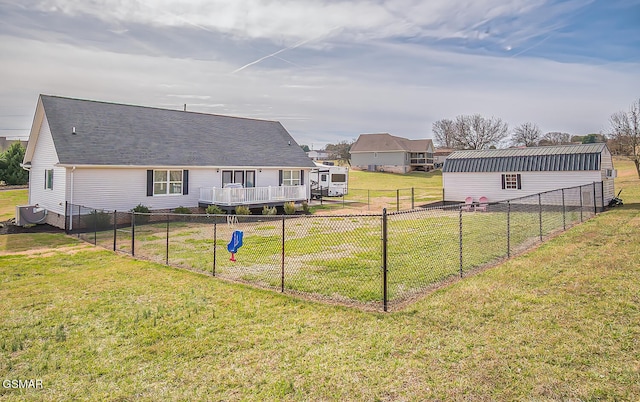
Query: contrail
point(284, 50)
point(533, 46)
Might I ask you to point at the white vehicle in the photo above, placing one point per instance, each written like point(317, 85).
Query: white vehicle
point(328, 181)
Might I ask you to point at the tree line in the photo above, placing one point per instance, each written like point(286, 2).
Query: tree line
point(479, 132)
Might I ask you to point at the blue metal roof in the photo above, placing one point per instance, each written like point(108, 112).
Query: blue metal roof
point(535, 159)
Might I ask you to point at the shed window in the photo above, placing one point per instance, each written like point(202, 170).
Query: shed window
point(511, 181)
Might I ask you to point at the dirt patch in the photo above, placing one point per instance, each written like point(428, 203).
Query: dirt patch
point(48, 252)
point(9, 227)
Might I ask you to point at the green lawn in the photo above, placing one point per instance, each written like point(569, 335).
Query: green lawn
point(8, 201)
point(558, 323)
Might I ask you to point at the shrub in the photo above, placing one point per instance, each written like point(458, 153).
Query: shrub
point(305, 207)
point(99, 220)
point(141, 209)
point(266, 210)
point(215, 210)
point(243, 210)
point(289, 208)
point(181, 210)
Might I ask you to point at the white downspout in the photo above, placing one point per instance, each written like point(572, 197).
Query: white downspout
point(71, 199)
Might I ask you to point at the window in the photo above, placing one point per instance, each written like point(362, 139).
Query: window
point(245, 177)
point(167, 182)
point(291, 178)
point(323, 177)
point(338, 178)
point(48, 179)
point(511, 181)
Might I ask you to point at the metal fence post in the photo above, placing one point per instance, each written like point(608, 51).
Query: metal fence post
point(167, 256)
point(595, 204)
point(460, 238)
point(282, 265)
point(133, 233)
point(215, 241)
point(413, 202)
point(95, 227)
point(80, 210)
point(115, 229)
point(564, 212)
point(368, 199)
point(385, 294)
point(540, 214)
point(602, 194)
point(66, 217)
point(581, 206)
point(508, 229)
point(397, 200)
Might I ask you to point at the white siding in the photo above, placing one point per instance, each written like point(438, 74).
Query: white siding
point(458, 186)
point(607, 183)
point(124, 188)
point(44, 158)
point(396, 158)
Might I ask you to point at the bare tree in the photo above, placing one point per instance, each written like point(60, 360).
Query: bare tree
point(477, 132)
point(625, 132)
point(444, 133)
point(555, 138)
point(527, 134)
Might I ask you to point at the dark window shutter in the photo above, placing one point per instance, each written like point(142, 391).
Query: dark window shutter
point(503, 182)
point(519, 180)
point(302, 177)
point(280, 173)
point(46, 174)
point(185, 182)
point(149, 183)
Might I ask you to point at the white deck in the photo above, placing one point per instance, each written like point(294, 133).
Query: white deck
point(251, 195)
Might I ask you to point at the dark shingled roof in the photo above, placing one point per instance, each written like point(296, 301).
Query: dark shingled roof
point(116, 134)
point(536, 159)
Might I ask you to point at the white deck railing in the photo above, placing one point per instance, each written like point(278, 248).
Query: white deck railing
point(251, 195)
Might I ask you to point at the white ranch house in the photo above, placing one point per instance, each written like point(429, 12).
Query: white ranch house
point(504, 174)
point(114, 156)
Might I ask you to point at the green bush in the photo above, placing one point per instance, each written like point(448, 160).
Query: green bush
point(215, 210)
point(289, 208)
point(141, 209)
point(181, 210)
point(305, 207)
point(266, 210)
point(243, 210)
point(99, 220)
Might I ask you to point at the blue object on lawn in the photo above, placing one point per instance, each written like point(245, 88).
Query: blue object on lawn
point(236, 242)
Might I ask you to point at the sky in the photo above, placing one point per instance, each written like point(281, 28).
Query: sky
point(328, 70)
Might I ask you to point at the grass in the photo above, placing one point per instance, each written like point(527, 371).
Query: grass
point(559, 323)
point(8, 201)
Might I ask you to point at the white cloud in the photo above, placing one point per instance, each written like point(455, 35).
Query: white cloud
point(348, 81)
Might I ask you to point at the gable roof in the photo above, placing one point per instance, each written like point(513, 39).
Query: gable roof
point(385, 142)
point(534, 159)
point(116, 134)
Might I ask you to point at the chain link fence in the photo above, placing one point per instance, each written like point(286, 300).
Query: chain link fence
point(374, 261)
